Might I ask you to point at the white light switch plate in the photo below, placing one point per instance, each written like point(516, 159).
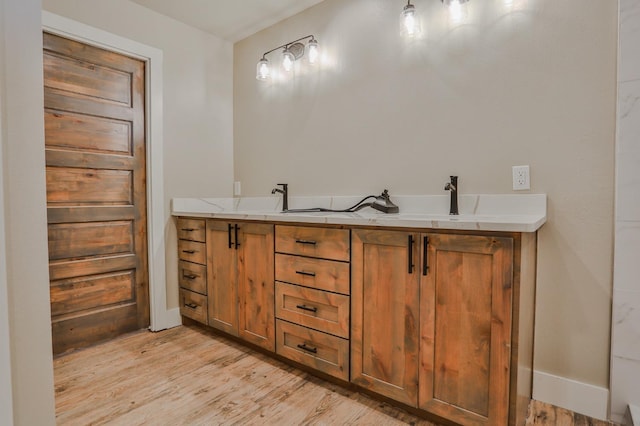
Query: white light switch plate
point(237, 188)
point(521, 179)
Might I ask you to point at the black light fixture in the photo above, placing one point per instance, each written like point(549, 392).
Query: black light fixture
point(291, 52)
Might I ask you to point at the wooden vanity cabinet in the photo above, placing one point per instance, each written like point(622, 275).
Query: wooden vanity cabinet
point(312, 297)
point(192, 270)
point(240, 281)
point(432, 323)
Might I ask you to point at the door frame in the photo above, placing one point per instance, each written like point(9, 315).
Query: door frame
point(160, 317)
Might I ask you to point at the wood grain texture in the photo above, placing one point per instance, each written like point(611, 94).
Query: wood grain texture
point(384, 315)
point(324, 352)
point(256, 287)
point(191, 229)
point(466, 328)
point(192, 251)
point(321, 274)
point(325, 243)
point(317, 309)
point(189, 376)
point(192, 276)
point(193, 305)
point(222, 287)
point(96, 195)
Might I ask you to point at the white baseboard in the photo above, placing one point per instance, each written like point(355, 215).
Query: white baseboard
point(583, 398)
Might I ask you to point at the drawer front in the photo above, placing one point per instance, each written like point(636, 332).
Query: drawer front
point(326, 353)
point(193, 305)
point(317, 309)
point(316, 273)
point(192, 251)
point(191, 229)
point(324, 243)
point(193, 276)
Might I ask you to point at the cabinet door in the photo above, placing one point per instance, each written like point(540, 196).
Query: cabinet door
point(222, 287)
point(465, 309)
point(256, 284)
point(384, 309)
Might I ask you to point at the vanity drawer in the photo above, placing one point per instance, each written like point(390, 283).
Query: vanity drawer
point(191, 229)
point(192, 276)
point(192, 251)
point(317, 309)
point(321, 351)
point(325, 243)
point(311, 272)
point(193, 305)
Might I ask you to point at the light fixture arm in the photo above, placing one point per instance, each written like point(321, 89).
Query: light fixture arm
point(311, 36)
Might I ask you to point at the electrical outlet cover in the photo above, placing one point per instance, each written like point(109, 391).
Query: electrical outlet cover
point(521, 180)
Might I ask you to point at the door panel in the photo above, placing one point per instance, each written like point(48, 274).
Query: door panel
point(256, 286)
point(465, 328)
point(96, 205)
point(385, 315)
point(221, 277)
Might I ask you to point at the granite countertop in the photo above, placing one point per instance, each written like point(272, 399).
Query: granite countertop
point(494, 212)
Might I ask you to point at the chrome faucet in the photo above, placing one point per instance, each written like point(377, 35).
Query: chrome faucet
point(285, 195)
point(453, 187)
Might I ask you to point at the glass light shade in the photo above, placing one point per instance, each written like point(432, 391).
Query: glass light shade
point(456, 11)
point(262, 69)
point(312, 51)
point(287, 60)
point(409, 22)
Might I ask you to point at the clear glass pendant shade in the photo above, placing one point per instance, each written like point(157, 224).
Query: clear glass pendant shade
point(409, 22)
point(312, 52)
point(287, 60)
point(262, 69)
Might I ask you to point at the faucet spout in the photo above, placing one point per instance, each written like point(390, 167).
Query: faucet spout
point(285, 195)
point(452, 186)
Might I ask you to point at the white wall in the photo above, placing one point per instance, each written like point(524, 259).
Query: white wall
point(24, 218)
point(6, 391)
point(519, 82)
point(625, 339)
point(198, 102)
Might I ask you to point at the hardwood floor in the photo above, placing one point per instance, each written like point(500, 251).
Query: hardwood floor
point(190, 376)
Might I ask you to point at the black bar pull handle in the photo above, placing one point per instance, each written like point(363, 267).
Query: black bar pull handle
point(410, 245)
point(313, 243)
point(189, 251)
point(236, 233)
point(190, 277)
point(308, 274)
point(188, 229)
point(229, 231)
point(304, 347)
point(425, 256)
point(307, 308)
point(191, 305)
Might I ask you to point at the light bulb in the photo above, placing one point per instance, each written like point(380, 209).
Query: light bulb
point(262, 69)
point(287, 60)
point(312, 51)
point(456, 11)
point(409, 24)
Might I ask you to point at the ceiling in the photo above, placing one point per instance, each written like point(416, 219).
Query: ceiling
point(231, 20)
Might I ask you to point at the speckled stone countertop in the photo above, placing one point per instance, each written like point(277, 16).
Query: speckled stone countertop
point(494, 212)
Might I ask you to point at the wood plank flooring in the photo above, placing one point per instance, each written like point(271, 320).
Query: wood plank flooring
point(190, 376)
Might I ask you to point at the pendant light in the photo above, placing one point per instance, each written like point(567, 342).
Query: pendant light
point(291, 52)
point(409, 22)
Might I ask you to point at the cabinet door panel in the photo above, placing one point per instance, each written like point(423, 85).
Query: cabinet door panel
point(385, 302)
point(465, 328)
point(221, 278)
point(256, 284)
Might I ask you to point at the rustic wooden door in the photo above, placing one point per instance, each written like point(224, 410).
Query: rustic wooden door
point(256, 287)
point(465, 314)
point(384, 313)
point(222, 289)
point(96, 203)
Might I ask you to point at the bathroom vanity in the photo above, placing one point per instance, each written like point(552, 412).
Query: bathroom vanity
point(430, 311)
